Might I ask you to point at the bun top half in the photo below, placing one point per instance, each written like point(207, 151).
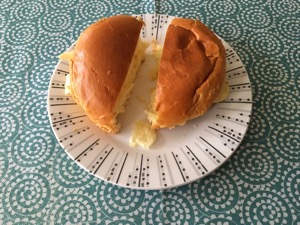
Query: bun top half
point(191, 73)
point(99, 65)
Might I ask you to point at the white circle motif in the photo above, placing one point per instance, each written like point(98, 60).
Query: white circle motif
point(26, 194)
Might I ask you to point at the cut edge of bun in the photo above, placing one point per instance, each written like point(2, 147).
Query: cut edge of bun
point(110, 124)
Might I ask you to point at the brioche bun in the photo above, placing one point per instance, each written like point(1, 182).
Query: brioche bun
point(103, 66)
point(191, 74)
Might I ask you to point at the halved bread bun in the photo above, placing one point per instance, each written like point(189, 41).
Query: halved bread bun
point(191, 74)
point(103, 67)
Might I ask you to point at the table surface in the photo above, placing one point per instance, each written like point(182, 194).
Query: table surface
point(40, 184)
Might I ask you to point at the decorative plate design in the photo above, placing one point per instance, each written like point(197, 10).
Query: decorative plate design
point(179, 156)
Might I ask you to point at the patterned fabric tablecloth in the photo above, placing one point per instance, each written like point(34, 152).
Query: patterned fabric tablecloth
point(40, 184)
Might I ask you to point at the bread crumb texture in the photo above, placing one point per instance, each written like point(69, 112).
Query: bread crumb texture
point(142, 135)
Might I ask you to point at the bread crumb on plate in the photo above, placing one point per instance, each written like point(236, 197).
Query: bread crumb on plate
point(68, 85)
point(142, 135)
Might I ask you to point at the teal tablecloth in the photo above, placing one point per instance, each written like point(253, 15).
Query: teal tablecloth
point(260, 184)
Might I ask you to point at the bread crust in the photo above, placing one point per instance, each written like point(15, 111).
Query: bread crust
point(99, 65)
point(192, 71)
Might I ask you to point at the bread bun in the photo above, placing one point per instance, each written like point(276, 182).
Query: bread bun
point(191, 74)
point(103, 66)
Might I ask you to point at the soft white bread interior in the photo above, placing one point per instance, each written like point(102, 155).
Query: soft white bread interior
point(103, 67)
point(142, 135)
point(191, 74)
point(224, 92)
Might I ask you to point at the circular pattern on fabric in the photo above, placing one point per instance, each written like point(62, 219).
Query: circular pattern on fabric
point(254, 3)
point(9, 127)
point(192, 14)
point(57, 21)
point(285, 7)
point(52, 46)
point(3, 20)
point(29, 10)
point(215, 193)
point(217, 221)
point(169, 208)
point(265, 44)
point(39, 76)
point(297, 81)
point(255, 164)
point(289, 27)
point(259, 127)
point(222, 8)
point(256, 17)
point(190, 3)
point(278, 72)
point(34, 113)
point(227, 28)
point(21, 221)
point(11, 92)
point(292, 187)
point(62, 4)
point(3, 165)
point(68, 174)
point(33, 148)
point(116, 200)
point(284, 139)
point(282, 106)
point(72, 209)
point(294, 55)
point(126, 3)
point(124, 11)
point(17, 61)
point(21, 33)
point(147, 7)
point(93, 10)
point(297, 220)
point(119, 222)
point(261, 207)
point(165, 7)
point(26, 194)
point(6, 4)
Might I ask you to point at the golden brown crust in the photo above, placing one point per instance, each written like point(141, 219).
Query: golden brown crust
point(192, 71)
point(99, 66)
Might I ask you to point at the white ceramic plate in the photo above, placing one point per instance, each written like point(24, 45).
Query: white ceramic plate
point(179, 156)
